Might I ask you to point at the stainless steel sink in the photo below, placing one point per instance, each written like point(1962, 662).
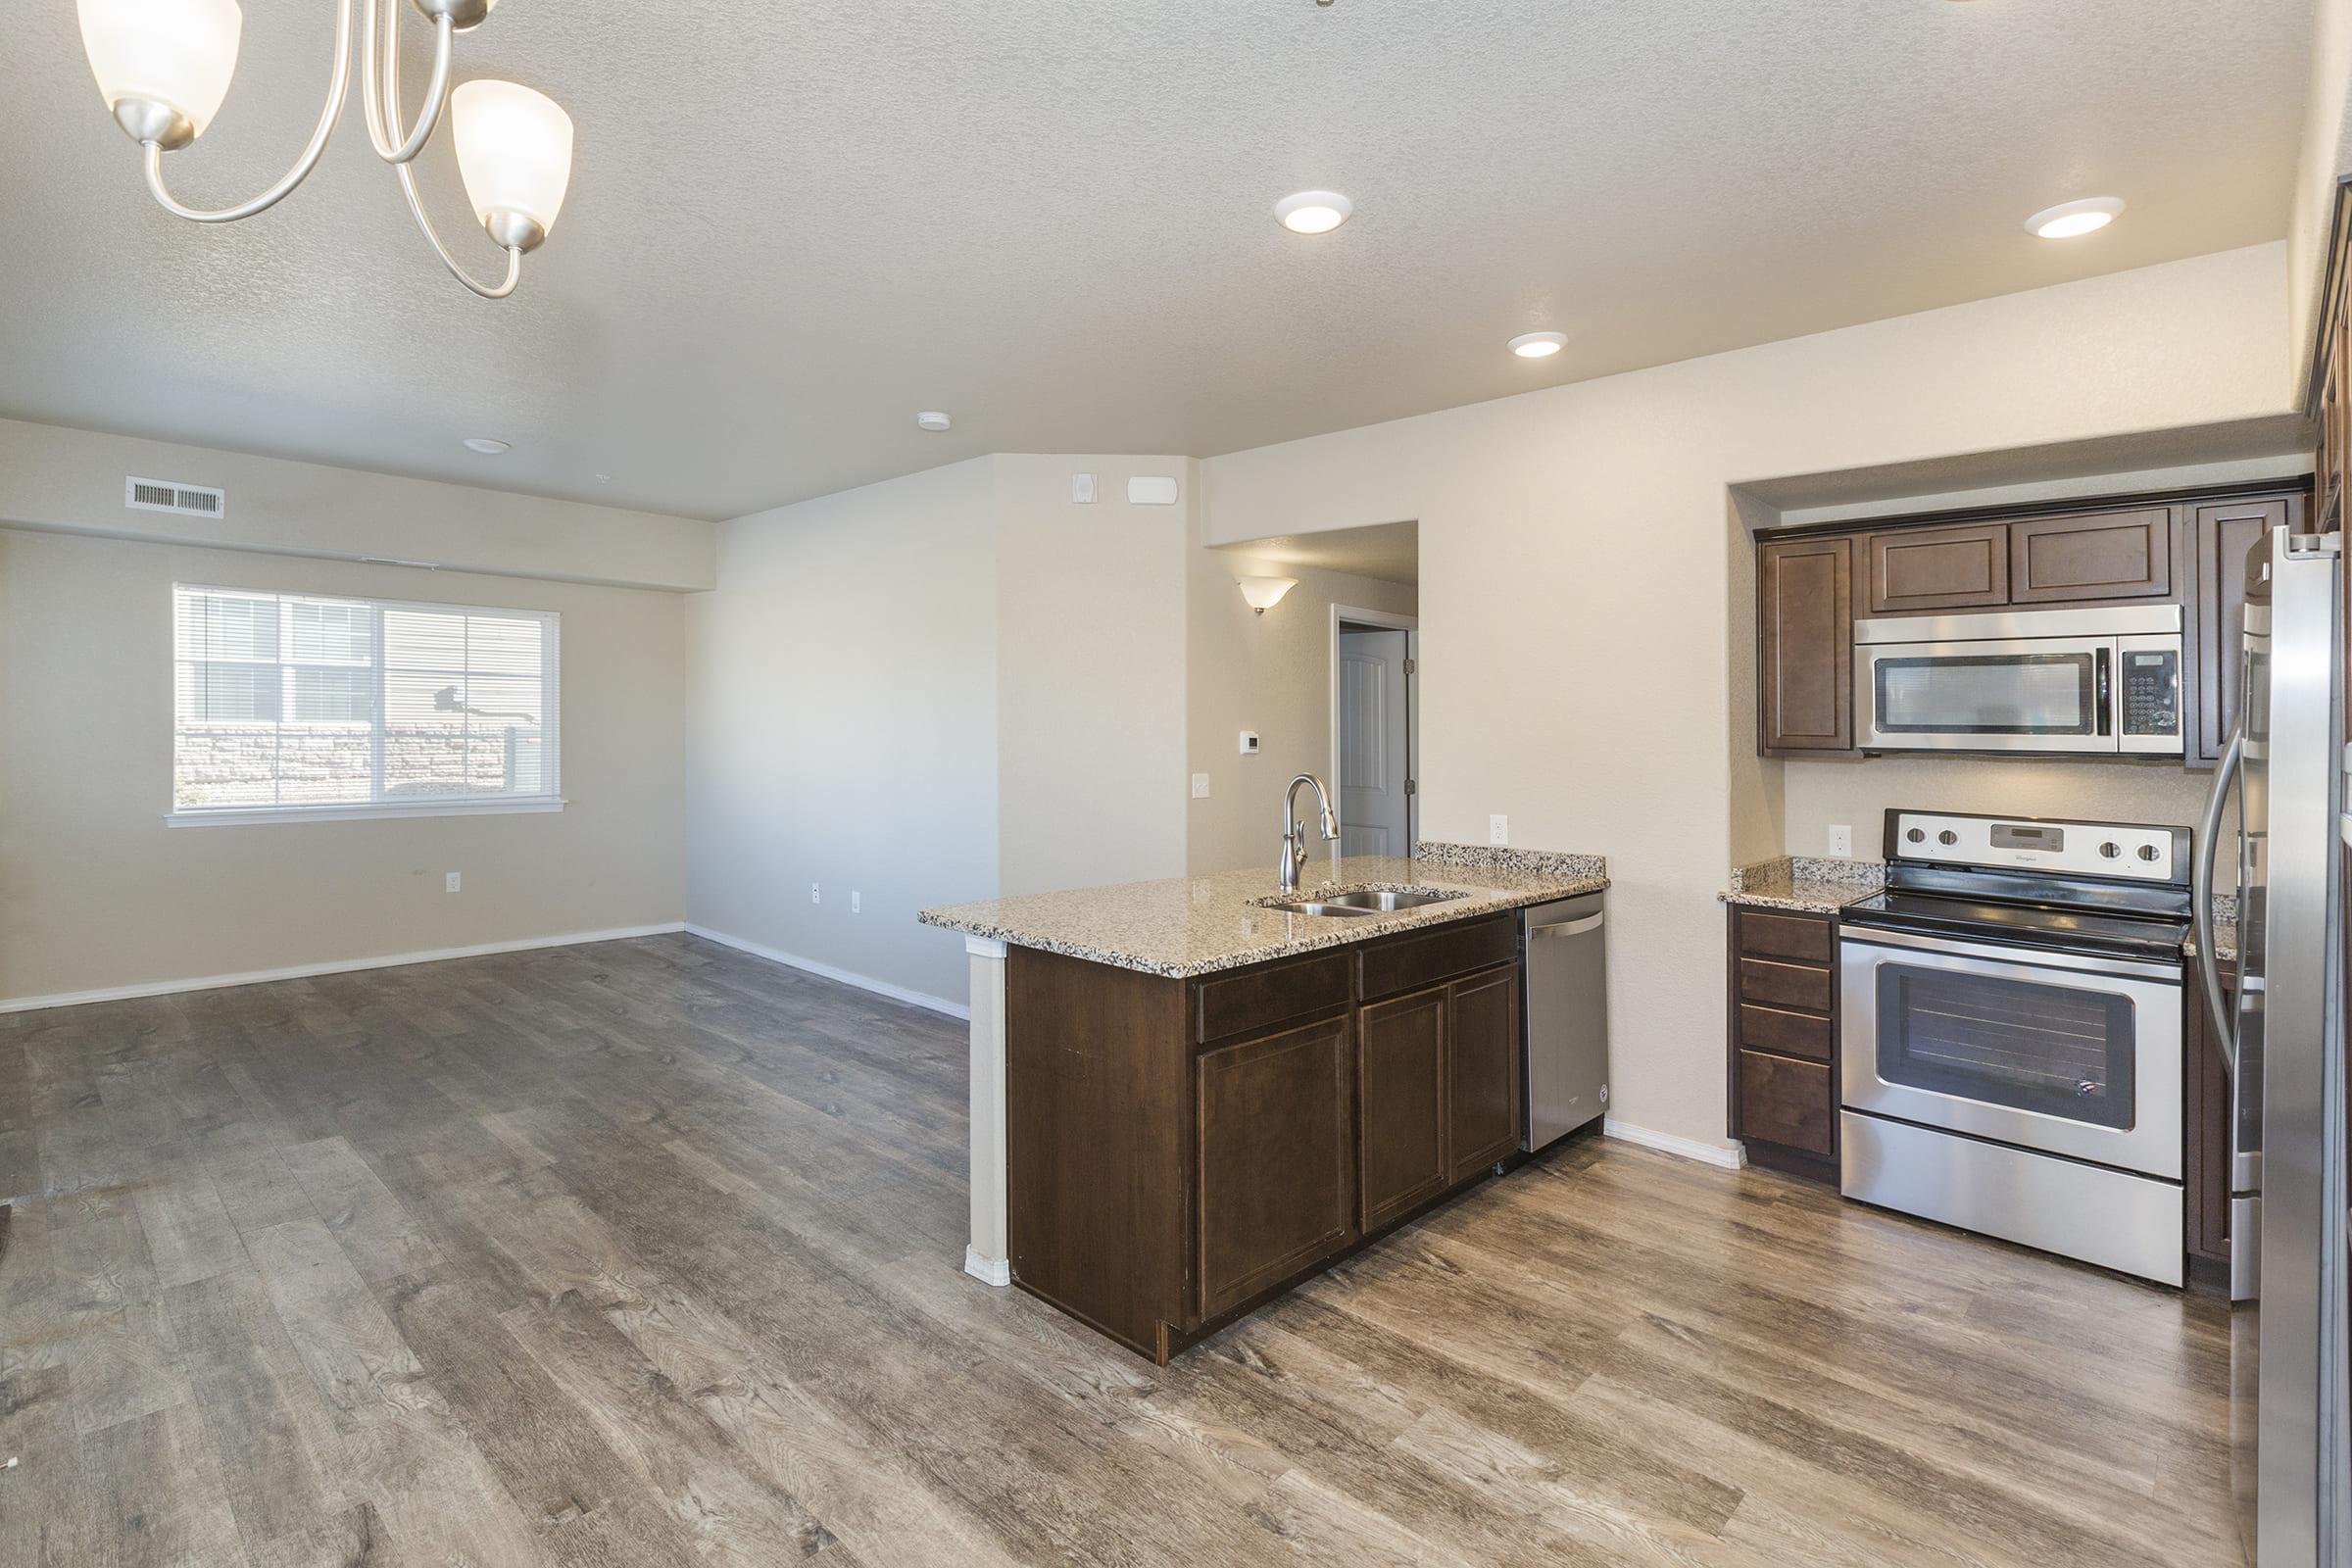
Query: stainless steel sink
point(1371, 901)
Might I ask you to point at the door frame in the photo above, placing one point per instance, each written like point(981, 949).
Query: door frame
point(1348, 615)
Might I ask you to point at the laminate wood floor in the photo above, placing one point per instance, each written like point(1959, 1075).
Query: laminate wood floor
point(648, 1253)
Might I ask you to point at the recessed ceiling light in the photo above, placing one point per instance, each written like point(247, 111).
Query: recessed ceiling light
point(1314, 211)
point(488, 446)
point(932, 419)
point(2067, 219)
point(1538, 345)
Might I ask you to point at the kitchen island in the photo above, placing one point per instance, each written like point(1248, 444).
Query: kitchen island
point(1185, 1099)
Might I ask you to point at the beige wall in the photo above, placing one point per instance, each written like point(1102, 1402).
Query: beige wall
point(1576, 576)
point(71, 482)
point(1270, 673)
point(96, 893)
point(1857, 790)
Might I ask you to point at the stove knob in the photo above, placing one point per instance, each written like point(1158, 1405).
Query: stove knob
point(1918, 835)
point(2148, 851)
point(2111, 850)
point(1947, 838)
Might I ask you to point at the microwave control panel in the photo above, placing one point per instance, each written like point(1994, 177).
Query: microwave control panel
point(2151, 691)
point(2096, 849)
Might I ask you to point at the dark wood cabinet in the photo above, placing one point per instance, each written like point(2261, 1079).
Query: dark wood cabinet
point(1179, 1151)
point(1483, 1070)
point(2219, 536)
point(1783, 1049)
point(1937, 569)
point(1805, 645)
point(1401, 1076)
point(1277, 1160)
point(2101, 555)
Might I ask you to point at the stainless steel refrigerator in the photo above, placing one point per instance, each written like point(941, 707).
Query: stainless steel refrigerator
point(2283, 1035)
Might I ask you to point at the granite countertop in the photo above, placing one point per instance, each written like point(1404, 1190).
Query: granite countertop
point(2224, 941)
point(1805, 883)
point(1185, 926)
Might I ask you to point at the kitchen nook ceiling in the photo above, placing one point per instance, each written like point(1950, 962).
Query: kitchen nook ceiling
point(791, 227)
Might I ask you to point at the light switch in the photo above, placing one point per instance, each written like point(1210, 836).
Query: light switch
point(1082, 488)
point(1200, 785)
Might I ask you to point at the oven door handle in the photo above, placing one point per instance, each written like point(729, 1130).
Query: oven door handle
point(1906, 944)
point(2200, 892)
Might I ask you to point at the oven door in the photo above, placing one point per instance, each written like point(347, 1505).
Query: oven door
point(2065, 1053)
point(2039, 694)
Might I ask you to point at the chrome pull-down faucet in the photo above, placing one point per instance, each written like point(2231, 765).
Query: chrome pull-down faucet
point(1293, 831)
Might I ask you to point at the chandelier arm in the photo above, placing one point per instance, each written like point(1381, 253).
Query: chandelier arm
point(338, 90)
point(499, 291)
point(379, 83)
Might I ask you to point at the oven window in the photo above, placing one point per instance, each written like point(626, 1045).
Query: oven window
point(1987, 693)
point(2053, 1049)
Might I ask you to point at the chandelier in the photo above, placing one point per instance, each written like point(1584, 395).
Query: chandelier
point(162, 67)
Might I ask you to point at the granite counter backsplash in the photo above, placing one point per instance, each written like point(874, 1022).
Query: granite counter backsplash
point(1808, 884)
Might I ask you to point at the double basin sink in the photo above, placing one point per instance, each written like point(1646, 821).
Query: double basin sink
point(1365, 902)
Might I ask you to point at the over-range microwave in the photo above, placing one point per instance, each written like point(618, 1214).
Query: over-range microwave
point(2104, 681)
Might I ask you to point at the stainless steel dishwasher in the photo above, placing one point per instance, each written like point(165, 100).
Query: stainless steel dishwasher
point(1567, 1012)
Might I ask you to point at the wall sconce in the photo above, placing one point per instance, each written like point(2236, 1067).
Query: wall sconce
point(1264, 593)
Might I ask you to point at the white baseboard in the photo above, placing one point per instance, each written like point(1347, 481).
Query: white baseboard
point(1734, 1157)
point(987, 1270)
point(304, 971)
point(848, 977)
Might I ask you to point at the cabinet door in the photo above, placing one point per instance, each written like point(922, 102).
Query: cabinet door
point(2222, 534)
point(1939, 568)
point(1401, 1081)
point(1277, 1160)
point(1483, 1070)
point(2106, 555)
point(1805, 645)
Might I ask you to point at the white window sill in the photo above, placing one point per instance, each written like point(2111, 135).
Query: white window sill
point(242, 817)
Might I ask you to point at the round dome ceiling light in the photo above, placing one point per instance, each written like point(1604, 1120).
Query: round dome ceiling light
point(2070, 220)
point(933, 420)
point(488, 446)
point(1538, 345)
point(1314, 211)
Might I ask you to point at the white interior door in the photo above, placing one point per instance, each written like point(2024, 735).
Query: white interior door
point(1376, 807)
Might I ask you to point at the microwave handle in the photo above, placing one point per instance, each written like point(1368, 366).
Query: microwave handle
point(2103, 661)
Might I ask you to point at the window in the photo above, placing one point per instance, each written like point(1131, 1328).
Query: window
point(290, 706)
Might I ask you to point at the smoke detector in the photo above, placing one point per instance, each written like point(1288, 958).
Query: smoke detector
point(933, 420)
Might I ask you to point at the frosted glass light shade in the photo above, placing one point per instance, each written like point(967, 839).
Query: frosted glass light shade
point(178, 52)
point(514, 150)
point(1264, 593)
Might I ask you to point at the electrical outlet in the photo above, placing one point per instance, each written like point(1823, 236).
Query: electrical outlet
point(1499, 829)
point(449, 883)
point(1841, 841)
point(1200, 785)
point(1248, 742)
point(812, 897)
point(856, 907)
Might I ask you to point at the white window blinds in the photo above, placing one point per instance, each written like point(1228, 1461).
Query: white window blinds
point(286, 704)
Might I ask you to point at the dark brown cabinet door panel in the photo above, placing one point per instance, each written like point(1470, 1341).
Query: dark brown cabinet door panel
point(1483, 1088)
point(2105, 555)
point(1788, 1102)
point(1805, 647)
point(1400, 1082)
point(1939, 568)
point(1276, 1159)
point(1799, 938)
point(2222, 534)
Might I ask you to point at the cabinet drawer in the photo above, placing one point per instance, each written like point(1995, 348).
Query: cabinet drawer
point(1784, 985)
point(1795, 937)
point(1408, 963)
point(2106, 555)
point(1788, 1102)
point(1791, 1034)
point(1939, 568)
point(1257, 998)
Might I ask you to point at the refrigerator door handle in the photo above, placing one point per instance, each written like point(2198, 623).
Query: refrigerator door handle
point(2209, 832)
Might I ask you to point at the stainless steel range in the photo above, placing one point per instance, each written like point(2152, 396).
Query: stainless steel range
point(2010, 1034)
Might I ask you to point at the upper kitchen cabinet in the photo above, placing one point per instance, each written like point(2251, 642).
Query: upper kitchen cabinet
point(2219, 536)
point(2113, 555)
point(1805, 649)
point(1937, 569)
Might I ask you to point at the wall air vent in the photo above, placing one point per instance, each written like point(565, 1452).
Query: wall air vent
point(188, 500)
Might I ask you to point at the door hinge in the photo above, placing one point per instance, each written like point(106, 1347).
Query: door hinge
point(1412, 786)
point(1408, 667)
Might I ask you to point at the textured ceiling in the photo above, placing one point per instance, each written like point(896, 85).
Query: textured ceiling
point(795, 223)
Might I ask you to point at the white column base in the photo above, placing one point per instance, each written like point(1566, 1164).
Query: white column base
point(988, 1258)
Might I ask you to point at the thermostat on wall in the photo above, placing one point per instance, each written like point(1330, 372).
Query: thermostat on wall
point(1248, 742)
